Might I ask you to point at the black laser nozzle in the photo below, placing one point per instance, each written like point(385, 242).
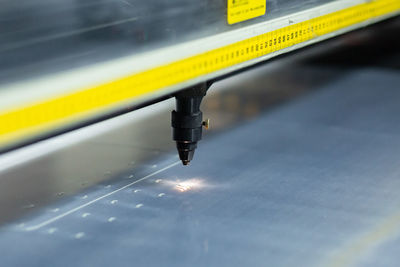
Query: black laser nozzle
point(187, 121)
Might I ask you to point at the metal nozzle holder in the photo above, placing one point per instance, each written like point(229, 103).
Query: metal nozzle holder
point(187, 120)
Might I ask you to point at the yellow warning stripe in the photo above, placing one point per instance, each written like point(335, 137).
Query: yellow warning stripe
point(29, 120)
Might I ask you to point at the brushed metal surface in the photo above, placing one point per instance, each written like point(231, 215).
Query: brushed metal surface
point(313, 183)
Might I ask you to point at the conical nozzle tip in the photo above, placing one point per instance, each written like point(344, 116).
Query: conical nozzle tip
point(186, 151)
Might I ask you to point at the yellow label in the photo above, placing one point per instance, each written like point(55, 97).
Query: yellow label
point(241, 10)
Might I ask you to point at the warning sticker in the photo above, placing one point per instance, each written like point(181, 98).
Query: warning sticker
point(241, 10)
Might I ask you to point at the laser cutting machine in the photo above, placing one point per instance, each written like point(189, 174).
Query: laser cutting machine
point(99, 59)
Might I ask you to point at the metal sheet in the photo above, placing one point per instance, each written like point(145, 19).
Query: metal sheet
point(313, 183)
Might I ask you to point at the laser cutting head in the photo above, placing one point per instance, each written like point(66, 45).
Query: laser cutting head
point(187, 121)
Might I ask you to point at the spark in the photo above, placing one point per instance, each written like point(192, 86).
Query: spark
point(184, 186)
